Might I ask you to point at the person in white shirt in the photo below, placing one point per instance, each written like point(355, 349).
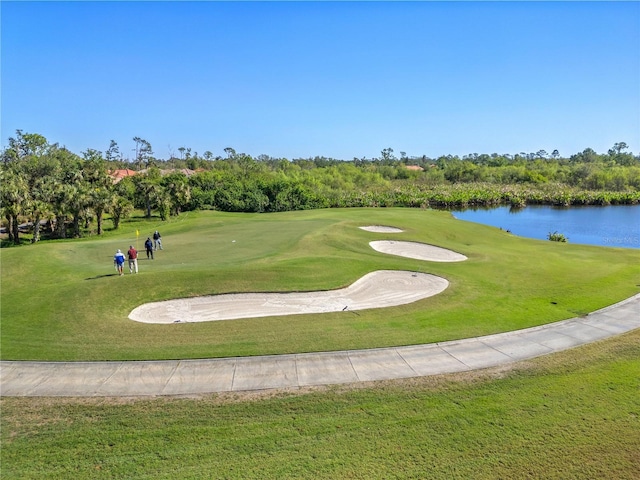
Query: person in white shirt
point(118, 261)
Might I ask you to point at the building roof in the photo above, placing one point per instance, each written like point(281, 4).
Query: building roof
point(119, 174)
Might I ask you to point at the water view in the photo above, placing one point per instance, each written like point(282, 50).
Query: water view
point(610, 226)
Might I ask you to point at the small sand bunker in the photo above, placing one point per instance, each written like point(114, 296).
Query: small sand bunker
point(419, 251)
point(382, 288)
point(381, 229)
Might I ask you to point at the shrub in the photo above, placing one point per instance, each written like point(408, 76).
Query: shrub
point(557, 237)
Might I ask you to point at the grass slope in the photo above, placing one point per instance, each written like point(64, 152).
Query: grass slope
point(574, 414)
point(62, 301)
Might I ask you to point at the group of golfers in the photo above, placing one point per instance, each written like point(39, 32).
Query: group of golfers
point(132, 254)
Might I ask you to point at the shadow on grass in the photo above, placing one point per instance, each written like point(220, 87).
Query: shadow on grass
point(6, 243)
point(102, 276)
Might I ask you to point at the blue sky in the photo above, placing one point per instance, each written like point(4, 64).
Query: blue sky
point(334, 79)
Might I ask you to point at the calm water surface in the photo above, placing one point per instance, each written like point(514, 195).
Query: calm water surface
point(611, 226)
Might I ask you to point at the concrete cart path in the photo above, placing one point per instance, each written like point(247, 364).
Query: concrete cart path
point(184, 377)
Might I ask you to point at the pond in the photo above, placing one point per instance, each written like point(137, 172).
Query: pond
point(610, 226)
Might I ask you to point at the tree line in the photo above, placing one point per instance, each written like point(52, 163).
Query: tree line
point(48, 191)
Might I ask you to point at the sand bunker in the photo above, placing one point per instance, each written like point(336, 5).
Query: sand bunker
point(383, 288)
point(419, 251)
point(381, 229)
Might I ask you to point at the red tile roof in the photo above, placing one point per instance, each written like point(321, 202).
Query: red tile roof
point(118, 175)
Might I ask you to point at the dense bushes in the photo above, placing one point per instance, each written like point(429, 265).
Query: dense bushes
point(232, 194)
point(479, 194)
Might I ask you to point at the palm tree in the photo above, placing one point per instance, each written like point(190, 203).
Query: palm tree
point(177, 188)
point(101, 199)
point(39, 209)
point(39, 205)
point(79, 202)
point(147, 188)
point(60, 201)
point(14, 195)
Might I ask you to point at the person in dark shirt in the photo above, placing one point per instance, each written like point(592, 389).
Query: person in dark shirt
point(148, 245)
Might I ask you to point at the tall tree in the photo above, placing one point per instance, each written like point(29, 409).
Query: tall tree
point(13, 199)
point(147, 187)
point(387, 156)
point(40, 174)
point(143, 152)
point(617, 148)
point(101, 199)
point(113, 152)
point(178, 192)
point(68, 185)
point(94, 169)
point(119, 209)
point(39, 207)
point(78, 204)
point(24, 145)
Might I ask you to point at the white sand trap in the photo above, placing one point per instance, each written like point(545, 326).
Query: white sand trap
point(381, 229)
point(383, 288)
point(419, 251)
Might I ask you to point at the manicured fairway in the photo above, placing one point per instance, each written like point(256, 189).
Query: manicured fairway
point(61, 300)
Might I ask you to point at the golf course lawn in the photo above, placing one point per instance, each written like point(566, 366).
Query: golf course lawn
point(62, 300)
point(573, 414)
point(570, 415)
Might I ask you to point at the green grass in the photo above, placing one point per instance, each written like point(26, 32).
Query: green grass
point(61, 300)
point(574, 414)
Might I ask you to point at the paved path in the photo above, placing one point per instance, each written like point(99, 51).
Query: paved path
point(181, 377)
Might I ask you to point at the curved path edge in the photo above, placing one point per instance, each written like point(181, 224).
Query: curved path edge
point(188, 377)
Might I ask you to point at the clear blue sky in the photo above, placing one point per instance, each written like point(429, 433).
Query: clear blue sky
point(334, 79)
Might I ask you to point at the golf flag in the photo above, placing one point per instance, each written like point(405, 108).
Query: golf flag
point(137, 232)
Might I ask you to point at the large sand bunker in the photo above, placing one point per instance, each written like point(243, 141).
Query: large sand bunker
point(383, 288)
point(418, 251)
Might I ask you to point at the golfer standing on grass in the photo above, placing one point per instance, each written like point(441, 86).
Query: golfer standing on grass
point(118, 261)
point(133, 259)
point(157, 238)
point(148, 245)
